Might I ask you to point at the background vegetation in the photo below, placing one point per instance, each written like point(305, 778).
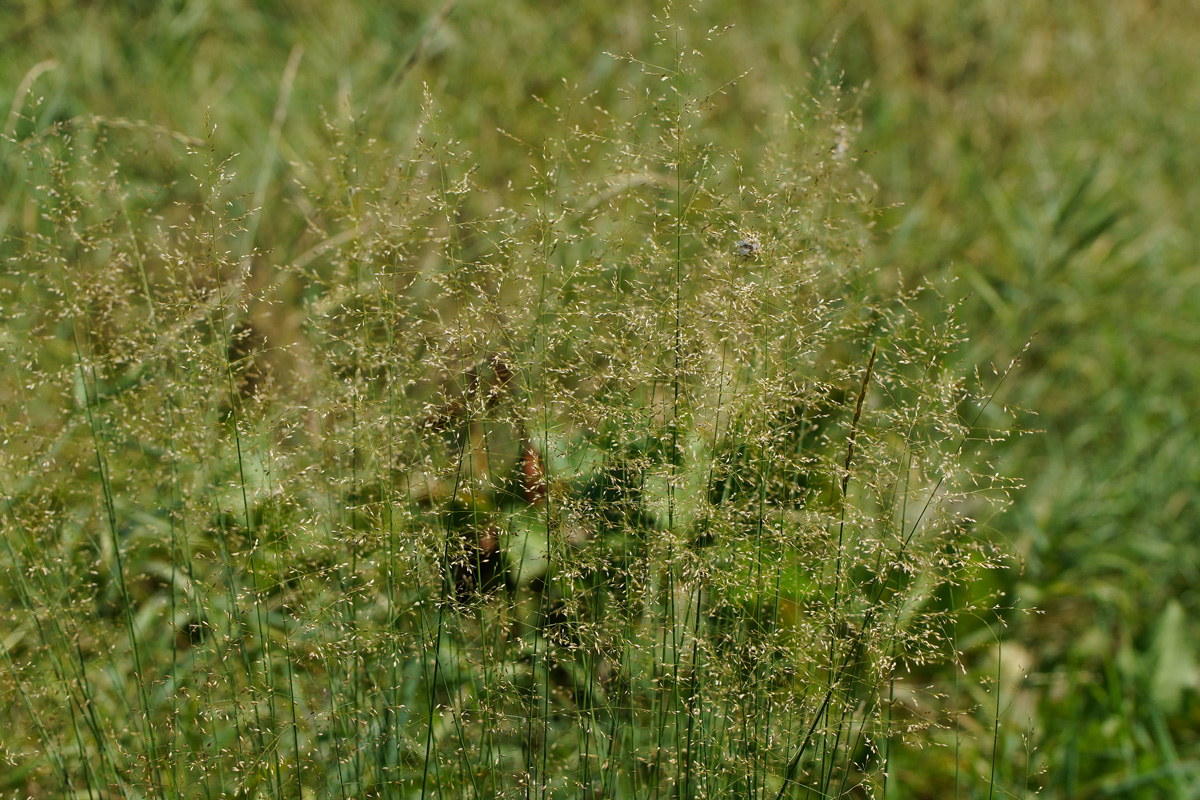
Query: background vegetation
point(382, 378)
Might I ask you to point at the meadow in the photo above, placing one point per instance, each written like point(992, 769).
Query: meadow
point(451, 399)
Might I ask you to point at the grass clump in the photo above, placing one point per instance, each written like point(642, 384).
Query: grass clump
point(626, 477)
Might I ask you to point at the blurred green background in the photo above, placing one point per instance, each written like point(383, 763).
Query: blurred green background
point(1039, 158)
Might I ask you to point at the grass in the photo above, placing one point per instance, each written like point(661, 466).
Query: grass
point(597, 400)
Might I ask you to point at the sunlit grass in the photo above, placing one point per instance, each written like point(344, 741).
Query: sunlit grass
point(390, 405)
point(634, 482)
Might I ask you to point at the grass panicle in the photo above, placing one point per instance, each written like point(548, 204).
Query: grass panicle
point(630, 476)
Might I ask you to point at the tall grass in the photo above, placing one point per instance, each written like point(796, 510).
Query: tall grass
point(627, 479)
